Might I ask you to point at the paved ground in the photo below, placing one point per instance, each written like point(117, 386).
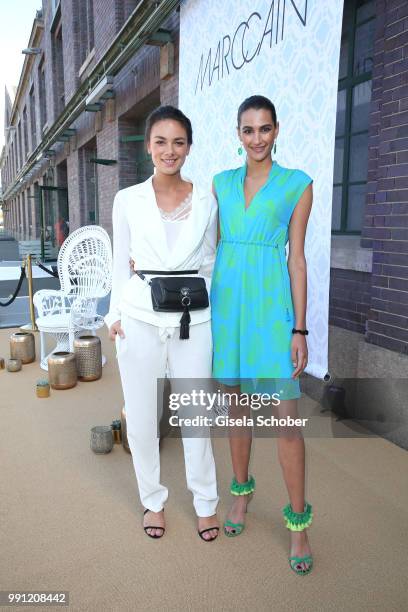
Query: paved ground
point(8, 248)
point(72, 520)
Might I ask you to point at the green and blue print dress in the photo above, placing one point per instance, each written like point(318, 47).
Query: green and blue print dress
point(251, 301)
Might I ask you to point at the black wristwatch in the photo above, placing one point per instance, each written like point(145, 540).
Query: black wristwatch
point(304, 332)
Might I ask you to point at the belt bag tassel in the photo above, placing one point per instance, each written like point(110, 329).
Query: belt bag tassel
point(177, 294)
point(185, 324)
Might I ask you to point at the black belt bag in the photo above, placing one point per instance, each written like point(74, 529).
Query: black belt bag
point(173, 293)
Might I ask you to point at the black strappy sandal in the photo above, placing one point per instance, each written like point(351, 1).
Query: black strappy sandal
point(155, 537)
point(200, 533)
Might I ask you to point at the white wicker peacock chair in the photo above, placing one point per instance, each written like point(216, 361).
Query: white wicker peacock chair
point(85, 274)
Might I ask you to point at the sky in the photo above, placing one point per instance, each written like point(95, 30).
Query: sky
point(16, 21)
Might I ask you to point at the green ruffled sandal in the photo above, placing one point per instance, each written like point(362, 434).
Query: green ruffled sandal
point(238, 488)
point(298, 521)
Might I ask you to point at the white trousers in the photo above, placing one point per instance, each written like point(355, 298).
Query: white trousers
point(146, 354)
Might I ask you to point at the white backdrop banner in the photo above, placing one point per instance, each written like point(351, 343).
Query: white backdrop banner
point(287, 50)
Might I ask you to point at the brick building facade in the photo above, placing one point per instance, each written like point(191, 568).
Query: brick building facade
point(102, 149)
point(104, 132)
point(369, 276)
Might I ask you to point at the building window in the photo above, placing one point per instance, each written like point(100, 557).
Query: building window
point(58, 66)
point(22, 216)
point(353, 110)
point(20, 149)
point(25, 133)
point(33, 122)
point(41, 95)
point(13, 160)
point(86, 29)
point(54, 6)
point(89, 183)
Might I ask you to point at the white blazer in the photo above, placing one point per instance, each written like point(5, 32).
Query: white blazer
point(138, 233)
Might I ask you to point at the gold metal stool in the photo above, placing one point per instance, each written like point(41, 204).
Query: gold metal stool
point(123, 429)
point(22, 346)
point(88, 357)
point(101, 439)
point(13, 365)
point(62, 372)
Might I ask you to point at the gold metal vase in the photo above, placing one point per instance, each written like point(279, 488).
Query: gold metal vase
point(101, 439)
point(22, 346)
point(13, 365)
point(88, 354)
point(62, 372)
point(123, 429)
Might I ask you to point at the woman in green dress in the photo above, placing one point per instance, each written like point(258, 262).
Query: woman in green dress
point(259, 307)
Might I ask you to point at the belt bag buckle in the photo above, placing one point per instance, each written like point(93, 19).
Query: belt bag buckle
point(185, 299)
point(174, 294)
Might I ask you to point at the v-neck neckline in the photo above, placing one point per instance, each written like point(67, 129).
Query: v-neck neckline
point(170, 254)
point(189, 195)
point(243, 176)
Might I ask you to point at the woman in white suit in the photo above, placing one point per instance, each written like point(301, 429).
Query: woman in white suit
point(163, 224)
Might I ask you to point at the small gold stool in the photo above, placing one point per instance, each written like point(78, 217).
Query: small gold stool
point(88, 357)
point(62, 372)
point(22, 346)
point(13, 365)
point(123, 430)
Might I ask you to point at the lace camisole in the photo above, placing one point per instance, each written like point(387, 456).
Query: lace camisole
point(173, 221)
